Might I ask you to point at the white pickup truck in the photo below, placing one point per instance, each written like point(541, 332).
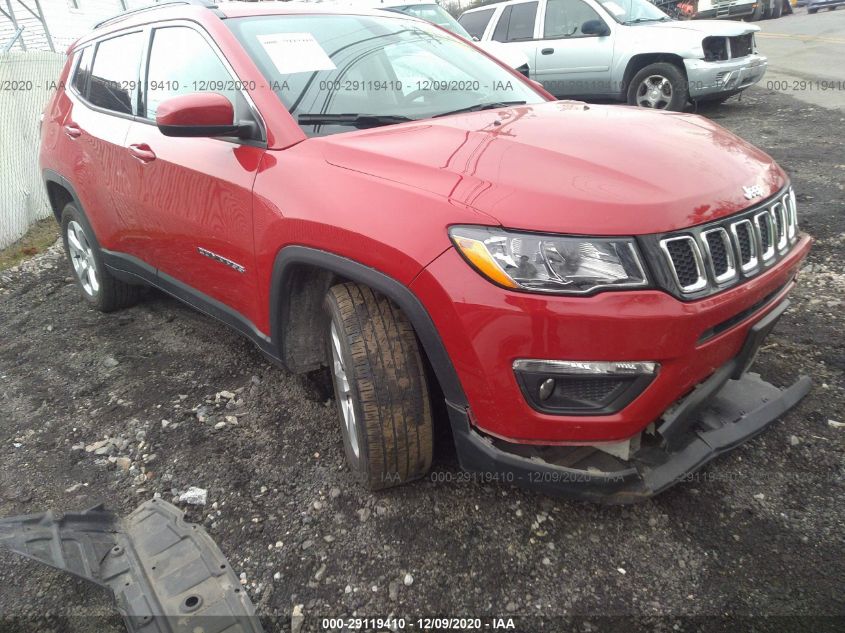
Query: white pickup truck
point(626, 50)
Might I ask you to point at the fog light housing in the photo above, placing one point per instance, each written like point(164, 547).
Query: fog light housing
point(582, 387)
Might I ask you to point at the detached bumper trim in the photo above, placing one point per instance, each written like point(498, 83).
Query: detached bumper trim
point(167, 575)
point(738, 411)
point(708, 445)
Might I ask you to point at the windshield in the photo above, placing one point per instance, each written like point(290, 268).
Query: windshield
point(388, 68)
point(633, 11)
point(433, 13)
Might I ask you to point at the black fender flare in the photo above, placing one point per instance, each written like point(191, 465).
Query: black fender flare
point(52, 176)
point(399, 293)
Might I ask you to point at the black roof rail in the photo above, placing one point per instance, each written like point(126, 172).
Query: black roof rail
point(208, 4)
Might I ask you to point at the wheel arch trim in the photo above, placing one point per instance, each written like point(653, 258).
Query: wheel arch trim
point(50, 176)
point(282, 277)
point(636, 62)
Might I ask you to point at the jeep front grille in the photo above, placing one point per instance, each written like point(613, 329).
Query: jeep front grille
point(706, 259)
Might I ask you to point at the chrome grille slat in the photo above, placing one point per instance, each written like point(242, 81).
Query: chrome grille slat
point(745, 240)
point(685, 261)
point(765, 228)
point(779, 215)
point(705, 259)
point(720, 254)
point(792, 215)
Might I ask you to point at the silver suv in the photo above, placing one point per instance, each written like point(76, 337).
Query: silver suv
point(626, 50)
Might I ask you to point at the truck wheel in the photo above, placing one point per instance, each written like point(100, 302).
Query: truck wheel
point(661, 86)
point(777, 10)
point(380, 387)
point(99, 288)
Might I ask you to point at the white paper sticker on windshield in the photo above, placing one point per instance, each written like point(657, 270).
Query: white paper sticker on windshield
point(614, 8)
point(295, 53)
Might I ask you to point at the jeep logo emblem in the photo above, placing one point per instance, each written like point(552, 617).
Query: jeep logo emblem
point(752, 192)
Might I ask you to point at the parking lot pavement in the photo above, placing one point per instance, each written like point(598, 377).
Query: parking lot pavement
point(759, 532)
point(806, 56)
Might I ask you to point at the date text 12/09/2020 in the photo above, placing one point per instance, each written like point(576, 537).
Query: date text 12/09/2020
point(419, 624)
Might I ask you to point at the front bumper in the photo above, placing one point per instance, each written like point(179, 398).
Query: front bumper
point(715, 78)
point(485, 329)
point(721, 413)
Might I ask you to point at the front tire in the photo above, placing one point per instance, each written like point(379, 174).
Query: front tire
point(98, 286)
point(660, 86)
point(380, 387)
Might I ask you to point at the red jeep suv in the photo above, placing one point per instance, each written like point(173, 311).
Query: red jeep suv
point(584, 286)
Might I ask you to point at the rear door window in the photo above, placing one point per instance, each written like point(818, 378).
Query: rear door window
point(476, 22)
point(114, 76)
point(516, 23)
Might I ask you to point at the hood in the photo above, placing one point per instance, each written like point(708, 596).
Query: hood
point(566, 167)
point(705, 28)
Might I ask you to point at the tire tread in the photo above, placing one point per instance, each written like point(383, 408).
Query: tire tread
point(389, 379)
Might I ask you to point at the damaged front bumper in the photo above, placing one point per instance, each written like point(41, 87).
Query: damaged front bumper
point(711, 79)
point(721, 413)
point(167, 575)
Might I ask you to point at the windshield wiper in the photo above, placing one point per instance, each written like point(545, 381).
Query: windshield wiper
point(357, 120)
point(639, 20)
point(481, 106)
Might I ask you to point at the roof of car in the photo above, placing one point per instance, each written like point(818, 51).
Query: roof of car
point(242, 9)
point(175, 9)
point(374, 4)
point(492, 5)
point(172, 9)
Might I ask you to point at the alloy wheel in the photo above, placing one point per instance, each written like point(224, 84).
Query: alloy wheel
point(655, 92)
point(82, 258)
point(343, 391)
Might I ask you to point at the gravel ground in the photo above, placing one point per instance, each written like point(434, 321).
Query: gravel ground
point(759, 533)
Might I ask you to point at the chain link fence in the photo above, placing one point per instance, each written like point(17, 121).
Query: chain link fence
point(27, 79)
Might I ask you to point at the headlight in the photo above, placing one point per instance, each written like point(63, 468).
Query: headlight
point(550, 263)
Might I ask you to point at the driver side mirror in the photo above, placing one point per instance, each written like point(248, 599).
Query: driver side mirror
point(199, 114)
point(595, 27)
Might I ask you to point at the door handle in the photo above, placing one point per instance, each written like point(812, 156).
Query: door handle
point(72, 130)
point(142, 152)
point(547, 51)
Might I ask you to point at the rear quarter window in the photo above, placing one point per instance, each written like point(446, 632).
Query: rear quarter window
point(83, 71)
point(476, 22)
